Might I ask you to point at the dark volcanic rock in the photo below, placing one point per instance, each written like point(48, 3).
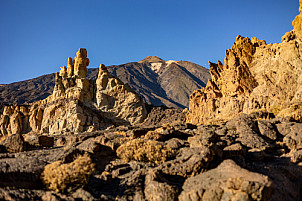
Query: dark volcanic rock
point(227, 182)
point(157, 187)
point(23, 170)
point(174, 161)
point(163, 115)
point(247, 132)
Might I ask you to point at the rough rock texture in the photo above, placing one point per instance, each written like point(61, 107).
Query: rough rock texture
point(62, 115)
point(13, 144)
point(255, 77)
point(227, 182)
point(118, 101)
point(77, 104)
point(175, 161)
point(163, 115)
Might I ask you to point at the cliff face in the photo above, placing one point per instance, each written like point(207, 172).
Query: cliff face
point(255, 77)
point(76, 104)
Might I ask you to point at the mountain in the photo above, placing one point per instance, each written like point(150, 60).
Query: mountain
point(160, 82)
point(27, 91)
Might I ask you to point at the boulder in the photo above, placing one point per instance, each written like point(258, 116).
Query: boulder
point(227, 182)
point(189, 161)
point(158, 189)
point(246, 129)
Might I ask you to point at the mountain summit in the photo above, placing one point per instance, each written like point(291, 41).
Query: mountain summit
point(152, 59)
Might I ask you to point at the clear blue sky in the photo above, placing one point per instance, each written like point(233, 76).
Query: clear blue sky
point(37, 36)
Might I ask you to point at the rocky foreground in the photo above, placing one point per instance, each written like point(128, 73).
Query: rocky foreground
point(243, 159)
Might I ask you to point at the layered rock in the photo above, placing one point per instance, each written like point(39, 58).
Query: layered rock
point(255, 77)
point(77, 104)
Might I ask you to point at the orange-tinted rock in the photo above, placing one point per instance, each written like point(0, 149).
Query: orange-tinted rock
point(63, 71)
point(77, 104)
point(80, 63)
point(255, 77)
point(117, 99)
point(70, 67)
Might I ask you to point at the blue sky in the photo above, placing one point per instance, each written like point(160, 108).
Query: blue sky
point(37, 36)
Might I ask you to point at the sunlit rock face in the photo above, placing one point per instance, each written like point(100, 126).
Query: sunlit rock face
point(255, 77)
point(117, 100)
point(77, 104)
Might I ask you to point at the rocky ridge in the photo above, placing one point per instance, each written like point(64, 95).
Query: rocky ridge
point(255, 77)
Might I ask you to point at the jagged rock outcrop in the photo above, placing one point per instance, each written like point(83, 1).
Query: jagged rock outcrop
point(255, 77)
point(59, 116)
point(71, 82)
point(118, 101)
point(77, 104)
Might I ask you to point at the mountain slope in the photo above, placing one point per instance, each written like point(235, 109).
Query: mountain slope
point(160, 82)
point(27, 91)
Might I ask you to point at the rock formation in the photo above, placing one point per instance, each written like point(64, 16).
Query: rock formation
point(71, 82)
point(117, 100)
point(255, 77)
point(77, 104)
